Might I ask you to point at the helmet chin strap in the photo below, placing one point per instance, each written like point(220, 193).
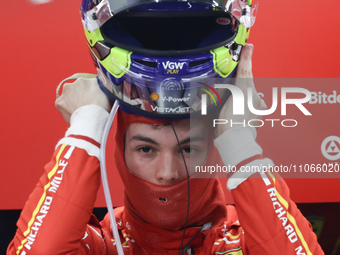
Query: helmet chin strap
point(107, 194)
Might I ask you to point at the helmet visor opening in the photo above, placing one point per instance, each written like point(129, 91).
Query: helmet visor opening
point(169, 31)
point(95, 14)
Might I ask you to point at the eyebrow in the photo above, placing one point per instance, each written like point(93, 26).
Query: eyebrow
point(143, 139)
point(149, 140)
point(197, 138)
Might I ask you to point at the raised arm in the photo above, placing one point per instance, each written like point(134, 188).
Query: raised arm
point(271, 221)
point(55, 217)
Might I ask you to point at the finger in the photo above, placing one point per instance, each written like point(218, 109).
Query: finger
point(245, 73)
point(244, 69)
point(244, 76)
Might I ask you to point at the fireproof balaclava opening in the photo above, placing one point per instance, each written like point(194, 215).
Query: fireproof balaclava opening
point(165, 206)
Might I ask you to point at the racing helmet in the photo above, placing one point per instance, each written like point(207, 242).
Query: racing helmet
point(157, 57)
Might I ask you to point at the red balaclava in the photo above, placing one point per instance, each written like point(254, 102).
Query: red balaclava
point(141, 197)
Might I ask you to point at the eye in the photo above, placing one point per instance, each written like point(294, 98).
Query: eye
point(145, 149)
point(188, 149)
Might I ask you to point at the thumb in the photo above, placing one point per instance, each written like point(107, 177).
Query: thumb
point(244, 69)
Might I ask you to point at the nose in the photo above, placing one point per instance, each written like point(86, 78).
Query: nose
point(168, 169)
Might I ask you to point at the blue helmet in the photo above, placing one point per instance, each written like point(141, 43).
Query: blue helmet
point(158, 57)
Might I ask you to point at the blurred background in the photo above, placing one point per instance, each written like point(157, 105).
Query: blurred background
point(43, 43)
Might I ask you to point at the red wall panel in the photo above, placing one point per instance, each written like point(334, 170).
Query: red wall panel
point(43, 44)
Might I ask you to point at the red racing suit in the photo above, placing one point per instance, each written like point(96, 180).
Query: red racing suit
point(57, 216)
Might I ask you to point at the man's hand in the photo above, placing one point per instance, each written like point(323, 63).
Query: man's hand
point(80, 93)
point(244, 80)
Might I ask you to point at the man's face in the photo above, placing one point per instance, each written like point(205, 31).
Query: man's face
point(152, 152)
